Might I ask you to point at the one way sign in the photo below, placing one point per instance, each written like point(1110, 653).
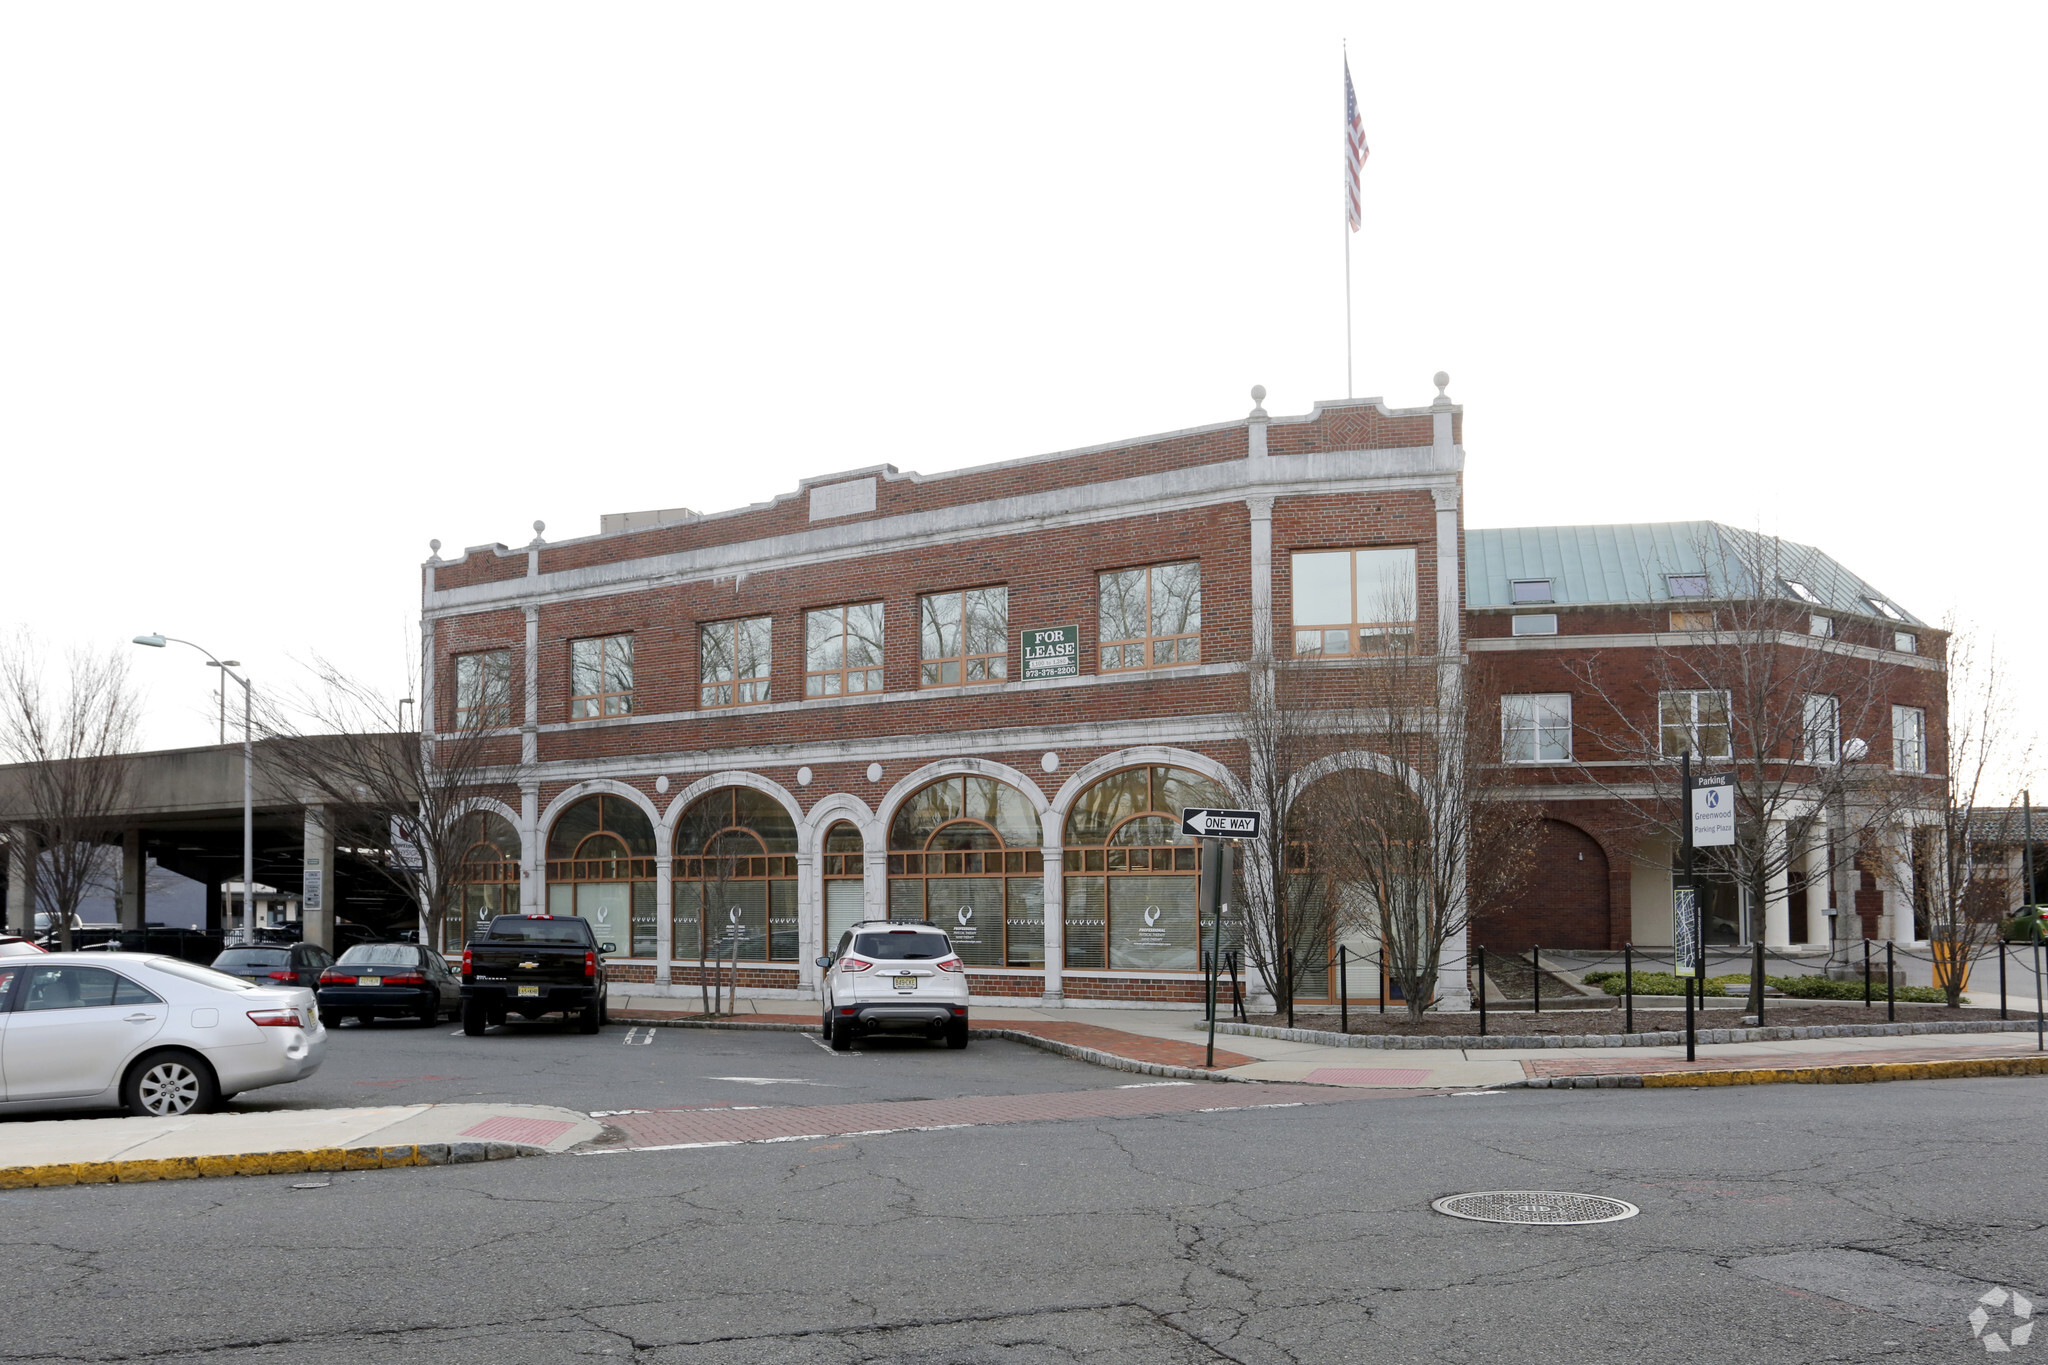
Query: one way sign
point(1219, 824)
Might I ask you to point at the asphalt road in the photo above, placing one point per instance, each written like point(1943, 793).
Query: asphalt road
point(1779, 1224)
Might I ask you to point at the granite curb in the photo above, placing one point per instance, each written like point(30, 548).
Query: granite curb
point(1862, 1073)
point(1534, 1042)
point(260, 1163)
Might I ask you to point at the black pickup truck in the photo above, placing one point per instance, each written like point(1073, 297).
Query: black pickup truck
point(530, 965)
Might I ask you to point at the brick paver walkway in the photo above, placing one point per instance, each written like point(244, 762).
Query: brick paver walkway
point(1721, 1060)
point(697, 1127)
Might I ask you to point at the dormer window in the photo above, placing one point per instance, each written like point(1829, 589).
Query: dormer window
point(1800, 591)
point(1686, 584)
point(1531, 590)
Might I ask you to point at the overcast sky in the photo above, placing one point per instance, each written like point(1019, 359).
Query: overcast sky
point(290, 290)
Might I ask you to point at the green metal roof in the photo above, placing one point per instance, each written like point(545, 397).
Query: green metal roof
point(1629, 563)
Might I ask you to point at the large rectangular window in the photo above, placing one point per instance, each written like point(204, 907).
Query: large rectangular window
point(965, 636)
point(1150, 617)
point(1823, 727)
point(732, 663)
point(483, 689)
point(1354, 602)
point(1694, 723)
point(843, 650)
point(1909, 739)
point(601, 677)
point(1536, 727)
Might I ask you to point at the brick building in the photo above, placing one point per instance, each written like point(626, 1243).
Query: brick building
point(980, 696)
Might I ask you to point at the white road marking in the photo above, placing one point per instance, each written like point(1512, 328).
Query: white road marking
point(799, 1137)
point(1150, 1085)
point(820, 1042)
point(775, 1080)
point(634, 1040)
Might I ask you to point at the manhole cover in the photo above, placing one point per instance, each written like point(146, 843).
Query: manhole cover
point(1535, 1206)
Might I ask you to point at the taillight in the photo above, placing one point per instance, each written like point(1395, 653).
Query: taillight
point(949, 964)
point(854, 964)
point(290, 977)
point(331, 977)
point(465, 962)
point(406, 979)
point(590, 964)
point(275, 1019)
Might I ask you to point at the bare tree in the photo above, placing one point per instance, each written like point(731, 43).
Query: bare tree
point(1410, 852)
point(1958, 876)
point(398, 799)
point(72, 746)
point(1750, 686)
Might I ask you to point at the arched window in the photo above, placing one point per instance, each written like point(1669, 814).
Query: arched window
point(965, 853)
point(735, 853)
point(601, 867)
point(1132, 878)
point(486, 881)
point(845, 880)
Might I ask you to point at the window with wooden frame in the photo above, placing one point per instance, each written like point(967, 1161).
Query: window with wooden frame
point(1694, 723)
point(483, 690)
point(1149, 618)
point(964, 637)
point(733, 889)
point(601, 677)
point(1354, 602)
point(966, 854)
point(843, 650)
point(732, 663)
point(600, 867)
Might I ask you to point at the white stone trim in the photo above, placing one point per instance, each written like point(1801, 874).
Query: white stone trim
point(1685, 639)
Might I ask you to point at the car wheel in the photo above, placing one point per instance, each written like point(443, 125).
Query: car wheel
point(956, 1035)
point(430, 1013)
point(330, 1019)
point(473, 1021)
point(842, 1035)
point(365, 1019)
point(825, 1025)
point(168, 1084)
point(591, 1018)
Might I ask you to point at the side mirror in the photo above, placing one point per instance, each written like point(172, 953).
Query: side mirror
point(607, 947)
point(824, 962)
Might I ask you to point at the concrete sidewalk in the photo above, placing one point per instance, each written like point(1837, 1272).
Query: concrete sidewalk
point(95, 1151)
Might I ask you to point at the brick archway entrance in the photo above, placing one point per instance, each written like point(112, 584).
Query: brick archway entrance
point(1563, 904)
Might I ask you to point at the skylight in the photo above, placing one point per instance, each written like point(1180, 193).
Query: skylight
point(1800, 591)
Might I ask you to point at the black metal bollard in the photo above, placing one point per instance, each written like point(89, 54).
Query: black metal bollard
point(1343, 992)
point(2001, 976)
point(1891, 989)
point(1866, 973)
point(1482, 990)
point(1628, 987)
point(1536, 963)
point(1383, 976)
point(1757, 976)
point(1290, 986)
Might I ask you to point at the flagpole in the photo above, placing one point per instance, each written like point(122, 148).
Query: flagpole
point(1347, 222)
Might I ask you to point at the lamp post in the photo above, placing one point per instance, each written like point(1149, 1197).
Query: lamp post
point(227, 668)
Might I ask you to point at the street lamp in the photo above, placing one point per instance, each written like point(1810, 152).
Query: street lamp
point(227, 668)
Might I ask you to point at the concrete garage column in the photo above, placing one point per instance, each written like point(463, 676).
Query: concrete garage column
point(21, 881)
point(134, 911)
point(1777, 924)
point(318, 892)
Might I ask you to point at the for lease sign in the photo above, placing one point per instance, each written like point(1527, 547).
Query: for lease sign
point(1052, 652)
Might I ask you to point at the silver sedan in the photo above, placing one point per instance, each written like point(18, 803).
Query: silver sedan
point(153, 1035)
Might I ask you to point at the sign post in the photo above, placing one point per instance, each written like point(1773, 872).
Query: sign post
point(1709, 823)
point(1218, 830)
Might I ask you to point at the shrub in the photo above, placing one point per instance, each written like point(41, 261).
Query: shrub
point(1799, 987)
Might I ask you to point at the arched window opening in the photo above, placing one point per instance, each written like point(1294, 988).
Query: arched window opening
point(486, 880)
point(1133, 880)
point(735, 878)
point(845, 881)
point(601, 868)
point(965, 854)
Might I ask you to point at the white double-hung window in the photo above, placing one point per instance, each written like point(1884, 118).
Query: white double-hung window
point(1823, 729)
point(1909, 739)
point(1694, 723)
point(1536, 727)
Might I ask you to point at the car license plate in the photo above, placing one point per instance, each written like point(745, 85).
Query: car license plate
point(529, 990)
point(906, 982)
point(369, 981)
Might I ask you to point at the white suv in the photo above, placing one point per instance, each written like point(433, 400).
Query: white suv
point(888, 975)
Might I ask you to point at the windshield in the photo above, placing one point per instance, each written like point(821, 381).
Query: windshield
point(902, 945)
point(251, 959)
point(381, 955)
point(205, 976)
point(570, 933)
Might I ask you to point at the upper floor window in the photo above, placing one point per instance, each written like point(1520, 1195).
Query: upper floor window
point(1692, 620)
point(1150, 617)
point(483, 689)
point(1536, 727)
point(1823, 626)
point(601, 677)
point(843, 650)
point(1530, 590)
point(1686, 584)
point(1354, 602)
point(965, 636)
point(732, 663)
point(1529, 624)
point(1694, 723)
point(1823, 729)
point(1906, 642)
point(1909, 739)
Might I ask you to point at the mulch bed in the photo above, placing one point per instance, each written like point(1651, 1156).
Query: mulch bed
point(1578, 1021)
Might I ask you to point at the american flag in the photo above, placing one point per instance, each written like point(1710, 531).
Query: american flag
point(1355, 151)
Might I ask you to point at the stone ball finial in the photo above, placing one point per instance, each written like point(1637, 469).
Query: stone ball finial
point(434, 545)
point(1258, 400)
point(539, 526)
point(1442, 382)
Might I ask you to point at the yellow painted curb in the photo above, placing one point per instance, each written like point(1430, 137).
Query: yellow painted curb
point(245, 1163)
point(1852, 1075)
